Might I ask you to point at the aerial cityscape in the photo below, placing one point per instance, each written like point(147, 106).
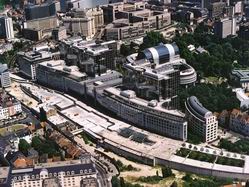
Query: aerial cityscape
point(124, 93)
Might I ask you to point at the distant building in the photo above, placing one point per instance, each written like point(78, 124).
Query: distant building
point(86, 3)
point(4, 76)
point(225, 27)
point(200, 120)
point(244, 29)
point(96, 13)
point(40, 20)
point(41, 11)
point(241, 77)
point(127, 20)
point(6, 28)
point(216, 9)
point(83, 26)
point(46, 23)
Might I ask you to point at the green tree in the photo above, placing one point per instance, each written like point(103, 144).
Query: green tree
point(124, 50)
point(174, 184)
point(247, 183)
point(23, 146)
point(36, 142)
point(187, 177)
point(152, 39)
point(122, 182)
point(115, 182)
point(43, 115)
point(167, 172)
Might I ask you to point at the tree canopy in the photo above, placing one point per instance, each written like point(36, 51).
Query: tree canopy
point(213, 97)
point(23, 146)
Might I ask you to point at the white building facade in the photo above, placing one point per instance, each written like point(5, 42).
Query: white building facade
point(201, 121)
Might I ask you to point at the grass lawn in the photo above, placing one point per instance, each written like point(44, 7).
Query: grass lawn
point(17, 127)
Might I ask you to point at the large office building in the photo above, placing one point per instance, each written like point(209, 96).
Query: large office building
point(127, 20)
point(149, 115)
point(84, 26)
point(241, 77)
point(84, 21)
point(225, 27)
point(41, 11)
point(86, 3)
point(6, 28)
point(90, 56)
point(200, 120)
point(28, 61)
point(57, 75)
point(157, 73)
point(4, 76)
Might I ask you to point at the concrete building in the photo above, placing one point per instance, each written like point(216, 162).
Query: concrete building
point(4, 76)
point(6, 28)
point(96, 13)
point(8, 106)
point(41, 11)
point(32, 34)
point(244, 29)
point(200, 120)
point(225, 27)
point(241, 77)
point(59, 33)
point(242, 97)
point(216, 8)
point(57, 75)
point(84, 21)
point(90, 55)
point(86, 3)
point(63, 173)
point(126, 20)
point(239, 122)
point(84, 26)
point(157, 73)
point(149, 115)
point(28, 61)
point(47, 23)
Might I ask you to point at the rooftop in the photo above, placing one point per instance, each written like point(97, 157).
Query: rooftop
point(196, 108)
point(129, 95)
point(243, 75)
point(70, 71)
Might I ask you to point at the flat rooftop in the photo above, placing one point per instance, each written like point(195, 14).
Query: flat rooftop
point(243, 75)
point(59, 65)
point(115, 92)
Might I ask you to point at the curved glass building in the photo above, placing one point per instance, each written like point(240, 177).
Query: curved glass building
point(200, 120)
point(159, 54)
